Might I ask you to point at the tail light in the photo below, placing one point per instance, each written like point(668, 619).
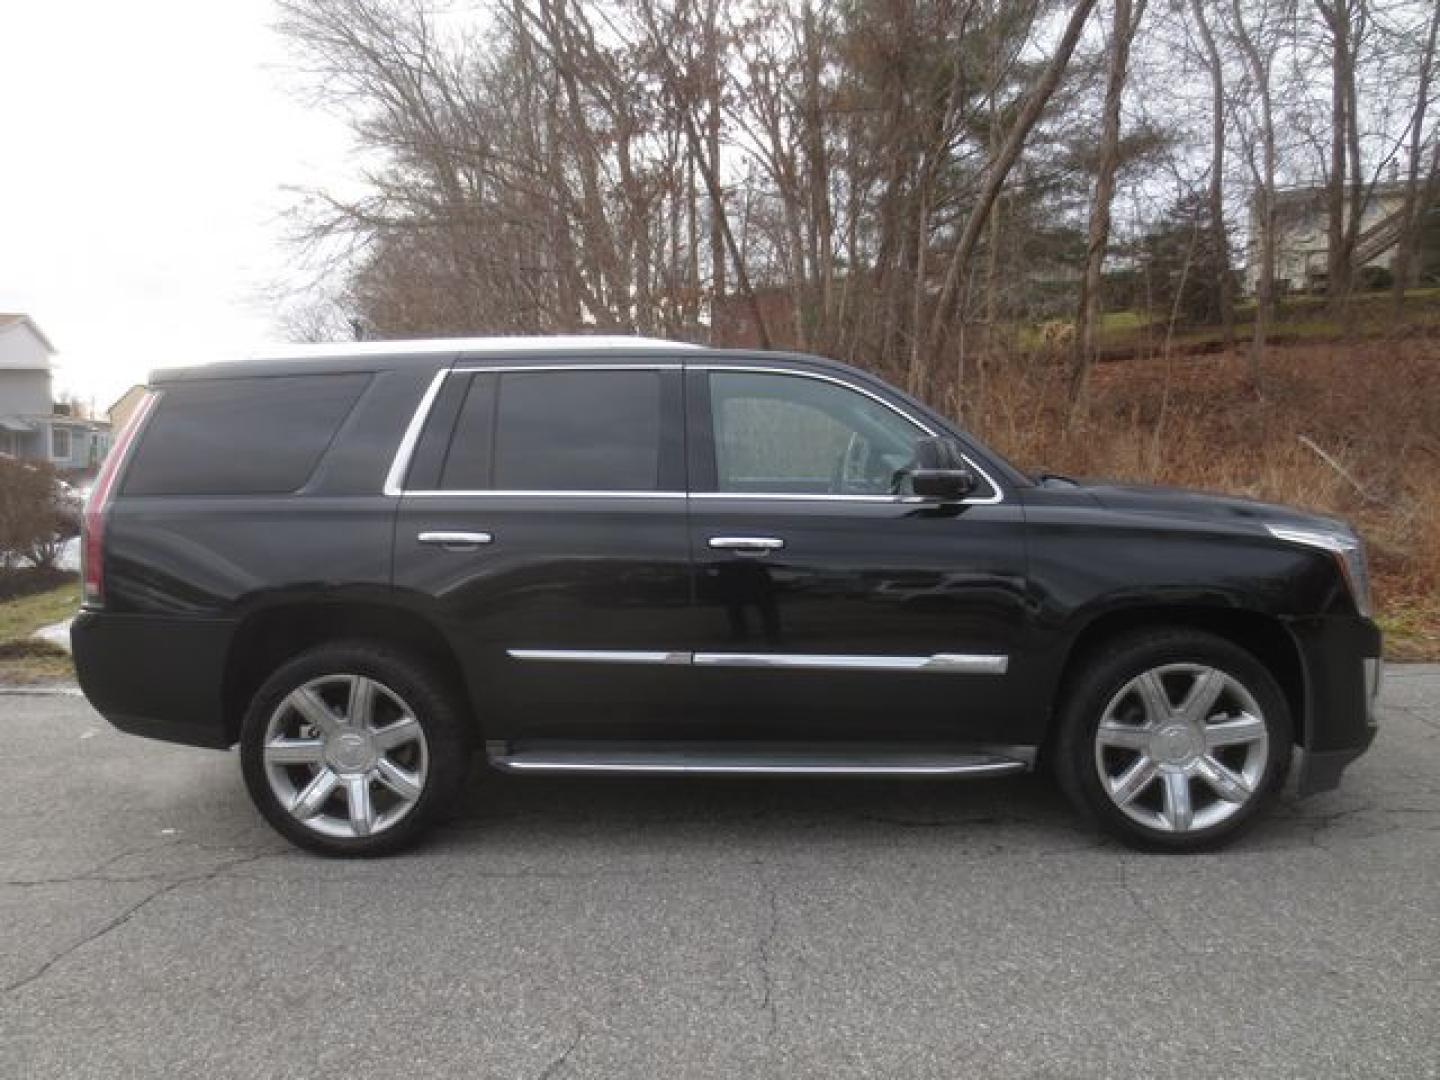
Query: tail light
point(92, 522)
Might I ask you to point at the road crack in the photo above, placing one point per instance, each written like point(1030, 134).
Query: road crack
point(128, 914)
point(1144, 908)
point(763, 959)
point(558, 1063)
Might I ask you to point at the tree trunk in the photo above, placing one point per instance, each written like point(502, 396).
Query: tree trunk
point(720, 225)
point(1345, 197)
point(817, 160)
point(999, 170)
point(1412, 210)
point(1088, 312)
point(718, 220)
point(1220, 237)
point(1259, 67)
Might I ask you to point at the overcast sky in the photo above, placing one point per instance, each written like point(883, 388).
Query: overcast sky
point(146, 146)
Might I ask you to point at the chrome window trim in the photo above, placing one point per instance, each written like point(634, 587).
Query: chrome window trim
point(512, 493)
point(400, 463)
point(998, 495)
point(937, 663)
point(810, 497)
point(511, 369)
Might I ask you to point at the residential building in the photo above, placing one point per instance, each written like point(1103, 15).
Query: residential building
point(33, 425)
point(119, 413)
point(1302, 239)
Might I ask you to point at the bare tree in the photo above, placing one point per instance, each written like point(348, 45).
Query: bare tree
point(1345, 22)
point(998, 169)
point(872, 179)
point(1122, 33)
point(1258, 44)
point(1220, 237)
point(1418, 195)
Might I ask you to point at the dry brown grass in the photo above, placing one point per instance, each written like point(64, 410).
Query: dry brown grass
point(1373, 407)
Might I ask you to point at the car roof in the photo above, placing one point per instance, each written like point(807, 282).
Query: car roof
point(431, 353)
point(472, 346)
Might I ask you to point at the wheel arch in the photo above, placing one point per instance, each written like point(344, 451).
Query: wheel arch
point(1263, 636)
point(269, 636)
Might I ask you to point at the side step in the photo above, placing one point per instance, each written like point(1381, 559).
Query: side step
point(759, 758)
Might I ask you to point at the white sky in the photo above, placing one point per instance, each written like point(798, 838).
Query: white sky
point(146, 146)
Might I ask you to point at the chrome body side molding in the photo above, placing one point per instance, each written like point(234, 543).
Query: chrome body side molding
point(599, 656)
point(940, 663)
point(952, 663)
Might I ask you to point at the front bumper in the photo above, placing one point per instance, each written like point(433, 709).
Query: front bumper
point(161, 677)
point(1341, 667)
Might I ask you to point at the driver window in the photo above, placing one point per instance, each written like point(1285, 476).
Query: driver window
point(788, 434)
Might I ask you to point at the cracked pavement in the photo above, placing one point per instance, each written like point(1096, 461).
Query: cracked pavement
point(151, 925)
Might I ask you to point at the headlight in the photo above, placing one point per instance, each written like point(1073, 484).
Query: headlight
point(1348, 551)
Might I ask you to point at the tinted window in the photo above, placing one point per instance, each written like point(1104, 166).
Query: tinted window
point(240, 436)
point(558, 431)
point(790, 434)
point(467, 465)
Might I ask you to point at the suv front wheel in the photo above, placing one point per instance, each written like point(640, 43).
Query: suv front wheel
point(353, 749)
point(1172, 739)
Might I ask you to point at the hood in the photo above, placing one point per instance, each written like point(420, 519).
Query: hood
point(1179, 502)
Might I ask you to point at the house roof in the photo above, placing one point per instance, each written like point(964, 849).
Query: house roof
point(60, 420)
point(138, 388)
point(1317, 193)
point(13, 318)
point(10, 320)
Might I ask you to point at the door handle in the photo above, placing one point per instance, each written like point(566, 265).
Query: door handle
point(456, 541)
point(747, 545)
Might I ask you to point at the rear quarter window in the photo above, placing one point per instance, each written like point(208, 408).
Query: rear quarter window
point(240, 436)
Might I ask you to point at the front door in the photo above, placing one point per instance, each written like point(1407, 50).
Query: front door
point(831, 605)
point(543, 526)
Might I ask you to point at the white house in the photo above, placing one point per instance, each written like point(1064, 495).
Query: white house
point(1302, 238)
point(32, 425)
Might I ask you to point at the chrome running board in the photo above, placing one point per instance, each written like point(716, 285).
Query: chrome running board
point(756, 758)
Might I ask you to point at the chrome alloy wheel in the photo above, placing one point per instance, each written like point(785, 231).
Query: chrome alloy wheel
point(1181, 747)
point(345, 756)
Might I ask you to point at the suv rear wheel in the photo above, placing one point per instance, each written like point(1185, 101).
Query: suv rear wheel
point(353, 748)
point(1172, 739)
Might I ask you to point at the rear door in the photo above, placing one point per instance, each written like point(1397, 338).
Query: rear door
point(830, 606)
point(542, 524)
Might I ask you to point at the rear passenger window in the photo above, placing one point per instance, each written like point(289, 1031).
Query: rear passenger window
point(557, 431)
point(259, 436)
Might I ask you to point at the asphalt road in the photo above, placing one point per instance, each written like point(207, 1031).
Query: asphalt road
point(150, 925)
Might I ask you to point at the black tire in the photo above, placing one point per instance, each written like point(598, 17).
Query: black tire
point(430, 699)
point(1103, 675)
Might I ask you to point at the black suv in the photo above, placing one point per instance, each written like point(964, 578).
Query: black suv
point(364, 563)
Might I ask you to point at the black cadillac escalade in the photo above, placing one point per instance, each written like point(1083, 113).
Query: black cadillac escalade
point(367, 563)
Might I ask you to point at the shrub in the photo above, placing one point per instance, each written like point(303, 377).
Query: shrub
point(30, 580)
point(32, 513)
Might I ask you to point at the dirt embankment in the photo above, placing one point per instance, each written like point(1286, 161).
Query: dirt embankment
point(1352, 430)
